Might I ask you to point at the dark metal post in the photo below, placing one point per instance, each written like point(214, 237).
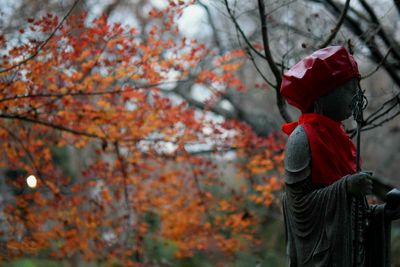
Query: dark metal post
point(359, 104)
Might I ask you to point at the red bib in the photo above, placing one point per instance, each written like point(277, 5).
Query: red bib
point(333, 154)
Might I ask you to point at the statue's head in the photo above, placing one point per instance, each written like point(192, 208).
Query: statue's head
point(323, 82)
point(338, 103)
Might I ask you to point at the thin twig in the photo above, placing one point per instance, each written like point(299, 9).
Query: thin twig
point(285, 4)
point(355, 27)
point(381, 122)
point(267, 51)
point(241, 31)
point(335, 30)
point(380, 30)
point(59, 95)
point(277, 74)
point(48, 124)
point(258, 69)
point(376, 116)
point(397, 3)
point(379, 65)
point(252, 59)
point(218, 43)
point(396, 97)
point(27, 152)
point(124, 172)
point(202, 196)
point(101, 138)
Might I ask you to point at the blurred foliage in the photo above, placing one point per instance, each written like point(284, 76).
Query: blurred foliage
point(33, 263)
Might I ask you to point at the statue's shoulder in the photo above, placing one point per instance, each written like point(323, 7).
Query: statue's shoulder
point(297, 156)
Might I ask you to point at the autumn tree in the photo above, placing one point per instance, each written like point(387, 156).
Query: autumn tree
point(146, 187)
point(132, 167)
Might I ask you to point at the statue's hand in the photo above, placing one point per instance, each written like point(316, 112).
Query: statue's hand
point(359, 184)
point(392, 206)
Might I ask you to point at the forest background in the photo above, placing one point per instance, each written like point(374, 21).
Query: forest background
point(150, 129)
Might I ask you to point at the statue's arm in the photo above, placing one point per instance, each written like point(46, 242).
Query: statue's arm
point(392, 205)
point(297, 157)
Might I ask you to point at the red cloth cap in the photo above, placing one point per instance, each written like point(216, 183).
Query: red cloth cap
point(317, 75)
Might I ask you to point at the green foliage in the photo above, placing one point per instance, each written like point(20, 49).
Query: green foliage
point(62, 159)
point(159, 250)
point(33, 263)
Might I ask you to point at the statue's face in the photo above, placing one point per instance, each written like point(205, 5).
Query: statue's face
point(337, 104)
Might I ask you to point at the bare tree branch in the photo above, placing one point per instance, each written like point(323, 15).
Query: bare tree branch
point(105, 92)
point(375, 125)
point(267, 50)
point(183, 90)
point(241, 31)
point(397, 4)
point(217, 41)
point(381, 32)
point(335, 30)
point(377, 66)
point(380, 112)
point(395, 99)
point(384, 110)
point(124, 172)
point(48, 124)
point(125, 176)
point(202, 196)
point(268, 56)
point(253, 61)
point(298, 31)
point(258, 69)
point(356, 28)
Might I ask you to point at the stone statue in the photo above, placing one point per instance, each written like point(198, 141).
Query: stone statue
point(324, 225)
